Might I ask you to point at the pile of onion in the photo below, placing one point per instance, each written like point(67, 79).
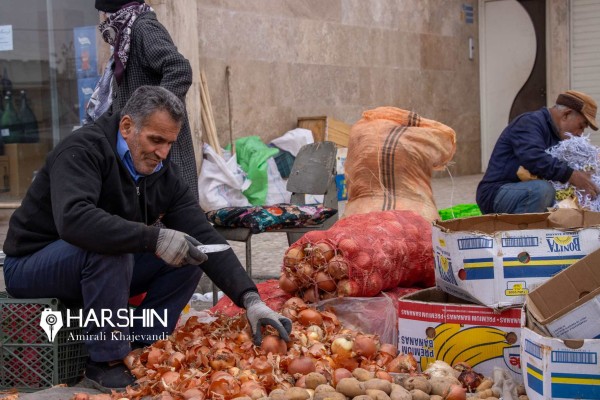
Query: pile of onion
point(320, 270)
point(218, 360)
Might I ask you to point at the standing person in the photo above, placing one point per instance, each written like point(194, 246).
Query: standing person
point(85, 233)
point(516, 179)
point(143, 54)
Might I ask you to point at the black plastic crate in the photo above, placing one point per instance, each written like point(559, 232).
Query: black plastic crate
point(28, 360)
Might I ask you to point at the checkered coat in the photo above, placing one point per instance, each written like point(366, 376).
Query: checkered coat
point(154, 60)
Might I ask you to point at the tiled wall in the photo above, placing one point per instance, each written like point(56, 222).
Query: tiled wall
point(557, 44)
point(293, 58)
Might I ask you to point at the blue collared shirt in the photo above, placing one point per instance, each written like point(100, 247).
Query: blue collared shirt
point(125, 155)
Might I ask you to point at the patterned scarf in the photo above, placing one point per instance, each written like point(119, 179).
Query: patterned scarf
point(116, 31)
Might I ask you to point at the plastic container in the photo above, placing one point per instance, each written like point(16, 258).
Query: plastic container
point(459, 211)
point(29, 361)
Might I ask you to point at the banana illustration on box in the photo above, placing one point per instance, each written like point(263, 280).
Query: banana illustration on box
point(472, 345)
point(563, 240)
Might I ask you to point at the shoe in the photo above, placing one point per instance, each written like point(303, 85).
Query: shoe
point(105, 377)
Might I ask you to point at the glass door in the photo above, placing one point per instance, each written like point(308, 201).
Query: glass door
point(48, 62)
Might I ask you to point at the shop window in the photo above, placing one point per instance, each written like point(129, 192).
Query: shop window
point(48, 68)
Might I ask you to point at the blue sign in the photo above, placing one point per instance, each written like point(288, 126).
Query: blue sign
point(342, 190)
point(86, 61)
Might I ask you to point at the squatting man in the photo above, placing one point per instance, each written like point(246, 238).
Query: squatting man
point(87, 231)
point(517, 179)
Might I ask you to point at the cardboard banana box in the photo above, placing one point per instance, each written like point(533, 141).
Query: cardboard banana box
point(495, 260)
point(434, 325)
point(575, 313)
point(558, 368)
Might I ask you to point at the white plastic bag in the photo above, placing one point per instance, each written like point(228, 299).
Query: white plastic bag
point(221, 182)
point(373, 315)
point(293, 140)
point(276, 191)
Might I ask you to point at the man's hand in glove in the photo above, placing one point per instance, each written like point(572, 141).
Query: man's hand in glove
point(259, 315)
point(177, 249)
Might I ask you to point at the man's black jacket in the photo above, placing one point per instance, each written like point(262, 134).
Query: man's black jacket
point(85, 196)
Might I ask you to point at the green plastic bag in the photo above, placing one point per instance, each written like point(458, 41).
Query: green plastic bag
point(459, 211)
point(252, 155)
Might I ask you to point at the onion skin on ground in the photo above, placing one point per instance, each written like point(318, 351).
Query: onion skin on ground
point(219, 359)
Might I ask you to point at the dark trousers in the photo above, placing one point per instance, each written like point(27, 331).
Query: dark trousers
point(105, 282)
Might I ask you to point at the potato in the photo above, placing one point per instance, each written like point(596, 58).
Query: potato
point(324, 388)
point(419, 395)
point(242, 398)
point(440, 386)
point(435, 397)
point(277, 394)
point(399, 393)
point(362, 397)
point(417, 382)
point(521, 390)
point(329, 396)
point(362, 374)
point(313, 380)
point(523, 397)
point(486, 383)
point(297, 393)
point(489, 393)
point(377, 394)
point(379, 384)
point(350, 387)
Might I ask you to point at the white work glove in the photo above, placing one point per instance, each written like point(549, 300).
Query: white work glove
point(177, 249)
point(259, 315)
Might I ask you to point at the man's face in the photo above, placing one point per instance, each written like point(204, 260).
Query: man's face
point(573, 122)
point(152, 143)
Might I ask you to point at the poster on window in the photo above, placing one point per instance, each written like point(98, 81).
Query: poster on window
point(86, 59)
point(6, 38)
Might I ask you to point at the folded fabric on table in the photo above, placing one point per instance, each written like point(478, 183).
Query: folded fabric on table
point(265, 218)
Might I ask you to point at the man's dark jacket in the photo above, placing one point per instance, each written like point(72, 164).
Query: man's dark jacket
point(85, 196)
point(522, 143)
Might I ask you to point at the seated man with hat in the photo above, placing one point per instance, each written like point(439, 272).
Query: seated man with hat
point(516, 179)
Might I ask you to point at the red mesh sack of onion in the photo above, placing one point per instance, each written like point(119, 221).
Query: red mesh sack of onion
point(580, 154)
point(359, 256)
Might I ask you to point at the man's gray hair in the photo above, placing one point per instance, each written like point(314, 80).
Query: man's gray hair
point(146, 100)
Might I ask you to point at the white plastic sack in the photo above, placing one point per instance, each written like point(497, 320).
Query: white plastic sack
point(276, 191)
point(293, 140)
point(221, 183)
point(373, 315)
